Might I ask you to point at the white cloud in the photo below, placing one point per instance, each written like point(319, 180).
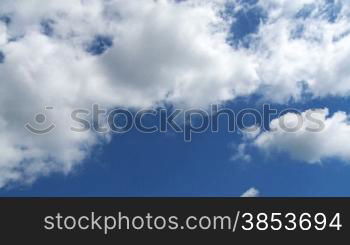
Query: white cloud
point(3, 34)
point(285, 8)
point(192, 64)
point(252, 192)
point(162, 51)
point(306, 144)
point(312, 49)
point(241, 154)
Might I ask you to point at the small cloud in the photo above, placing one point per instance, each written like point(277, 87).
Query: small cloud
point(252, 192)
point(241, 154)
point(251, 132)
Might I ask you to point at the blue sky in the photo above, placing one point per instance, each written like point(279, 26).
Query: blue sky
point(136, 164)
point(286, 73)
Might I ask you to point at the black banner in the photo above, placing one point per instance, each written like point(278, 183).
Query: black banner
point(225, 220)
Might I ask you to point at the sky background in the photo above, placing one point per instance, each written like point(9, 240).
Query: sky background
point(159, 164)
point(137, 164)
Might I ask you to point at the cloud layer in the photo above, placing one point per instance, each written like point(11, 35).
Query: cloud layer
point(136, 54)
point(114, 53)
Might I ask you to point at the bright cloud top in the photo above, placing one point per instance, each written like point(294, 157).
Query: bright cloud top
point(71, 54)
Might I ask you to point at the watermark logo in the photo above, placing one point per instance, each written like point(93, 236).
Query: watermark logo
point(40, 125)
point(183, 121)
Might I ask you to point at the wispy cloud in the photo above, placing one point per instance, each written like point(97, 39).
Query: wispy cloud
point(252, 192)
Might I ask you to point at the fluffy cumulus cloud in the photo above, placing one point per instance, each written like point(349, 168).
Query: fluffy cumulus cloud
point(303, 47)
point(69, 55)
point(72, 54)
point(315, 136)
